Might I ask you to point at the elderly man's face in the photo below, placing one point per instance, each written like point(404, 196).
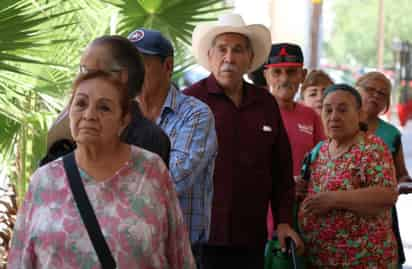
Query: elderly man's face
point(157, 73)
point(229, 58)
point(283, 82)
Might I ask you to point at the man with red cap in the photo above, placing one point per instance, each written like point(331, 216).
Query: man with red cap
point(284, 73)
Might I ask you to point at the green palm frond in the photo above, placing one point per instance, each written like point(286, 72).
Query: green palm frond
point(39, 54)
point(8, 136)
point(28, 31)
point(174, 18)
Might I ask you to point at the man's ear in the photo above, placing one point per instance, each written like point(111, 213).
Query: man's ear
point(304, 73)
point(265, 74)
point(209, 54)
point(168, 63)
point(252, 56)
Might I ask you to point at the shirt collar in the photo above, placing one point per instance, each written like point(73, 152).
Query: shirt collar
point(170, 103)
point(250, 94)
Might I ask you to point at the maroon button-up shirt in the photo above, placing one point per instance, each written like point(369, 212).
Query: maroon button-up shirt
point(253, 165)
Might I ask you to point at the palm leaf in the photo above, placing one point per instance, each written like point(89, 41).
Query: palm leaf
point(176, 19)
point(22, 25)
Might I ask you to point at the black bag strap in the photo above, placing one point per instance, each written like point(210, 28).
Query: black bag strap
point(87, 213)
point(308, 160)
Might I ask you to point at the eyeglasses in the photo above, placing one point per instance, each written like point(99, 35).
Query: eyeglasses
point(379, 92)
point(84, 70)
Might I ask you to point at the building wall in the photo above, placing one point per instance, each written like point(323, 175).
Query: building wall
point(288, 20)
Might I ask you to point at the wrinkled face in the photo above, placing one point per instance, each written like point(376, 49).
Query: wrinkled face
point(340, 115)
point(312, 96)
point(283, 82)
point(375, 96)
point(157, 72)
point(229, 58)
point(95, 113)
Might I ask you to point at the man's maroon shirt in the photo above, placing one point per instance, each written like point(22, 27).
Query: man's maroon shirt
point(253, 166)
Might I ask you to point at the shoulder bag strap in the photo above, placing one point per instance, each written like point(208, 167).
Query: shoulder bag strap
point(308, 160)
point(87, 214)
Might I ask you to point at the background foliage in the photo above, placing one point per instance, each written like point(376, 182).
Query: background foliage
point(39, 59)
point(354, 35)
point(42, 41)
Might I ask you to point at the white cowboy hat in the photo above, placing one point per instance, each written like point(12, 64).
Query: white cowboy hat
point(60, 129)
point(204, 34)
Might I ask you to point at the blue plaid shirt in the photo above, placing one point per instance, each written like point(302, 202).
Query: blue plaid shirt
point(190, 125)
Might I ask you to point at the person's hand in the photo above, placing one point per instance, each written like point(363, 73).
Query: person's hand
point(284, 231)
point(301, 187)
point(319, 204)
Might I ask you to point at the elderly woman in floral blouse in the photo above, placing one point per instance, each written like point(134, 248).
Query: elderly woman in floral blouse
point(345, 217)
point(128, 187)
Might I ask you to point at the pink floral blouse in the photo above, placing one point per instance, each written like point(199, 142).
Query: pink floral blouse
point(137, 209)
point(341, 238)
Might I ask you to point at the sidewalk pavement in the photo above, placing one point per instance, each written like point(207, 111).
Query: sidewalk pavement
point(404, 204)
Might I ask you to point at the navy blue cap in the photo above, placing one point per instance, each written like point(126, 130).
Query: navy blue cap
point(285, 55)
point(151, 42)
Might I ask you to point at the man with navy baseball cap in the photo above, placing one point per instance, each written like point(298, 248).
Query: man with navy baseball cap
point(151, 42)
point(190, 125)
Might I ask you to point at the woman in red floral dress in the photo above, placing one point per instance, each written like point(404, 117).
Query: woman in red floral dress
point(345, 218)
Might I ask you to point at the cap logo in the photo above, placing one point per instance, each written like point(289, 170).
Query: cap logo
point(283, 52)
point(136, 36)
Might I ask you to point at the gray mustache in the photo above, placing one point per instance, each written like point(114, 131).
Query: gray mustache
point(286, 85)
point(228, 67)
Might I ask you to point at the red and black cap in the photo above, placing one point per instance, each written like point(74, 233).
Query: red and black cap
point(285, 55)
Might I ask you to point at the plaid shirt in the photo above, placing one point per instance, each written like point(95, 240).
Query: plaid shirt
point(190, 125)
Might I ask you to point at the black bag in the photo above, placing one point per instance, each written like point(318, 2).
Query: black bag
point(87, 214)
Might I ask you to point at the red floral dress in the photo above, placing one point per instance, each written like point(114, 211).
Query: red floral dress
point(342, 238)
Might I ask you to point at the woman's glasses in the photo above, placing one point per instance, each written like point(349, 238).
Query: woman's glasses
point(85, 70)
point(377, 92)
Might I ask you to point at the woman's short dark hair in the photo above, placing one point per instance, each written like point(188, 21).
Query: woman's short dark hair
point(349, 89)
point(124, 54)
point(125, 99)
point(345, 88)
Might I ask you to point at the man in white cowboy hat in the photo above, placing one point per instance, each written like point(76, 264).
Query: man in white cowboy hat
point(254, 164)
